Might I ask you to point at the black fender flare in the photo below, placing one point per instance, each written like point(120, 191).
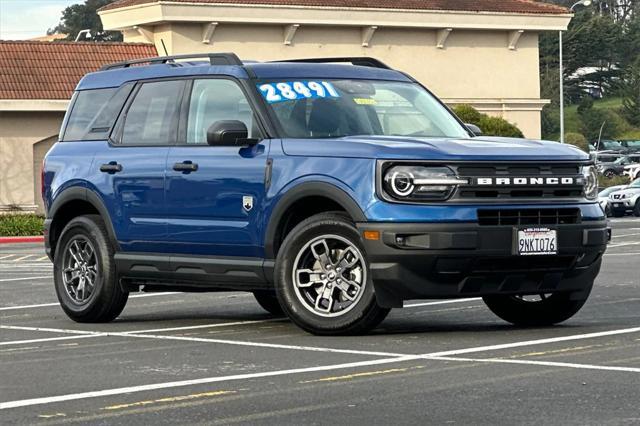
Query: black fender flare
point(77, 193)
point(308, 189)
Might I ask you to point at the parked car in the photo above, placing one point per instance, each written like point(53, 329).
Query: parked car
point(606, 156)
point(631, 146)
point(607, 145)
point(333, 192)
point(616, 168)
point(632, 170)
point(603, 198)
point(626, 200)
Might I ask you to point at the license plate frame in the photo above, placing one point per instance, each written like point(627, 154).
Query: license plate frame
point(536, 241)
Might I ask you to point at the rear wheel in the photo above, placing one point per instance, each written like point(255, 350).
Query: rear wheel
point(84, 272)
point(323, 280)
point(537, 310)
point(268, 301)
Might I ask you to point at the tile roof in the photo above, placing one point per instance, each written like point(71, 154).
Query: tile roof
point(499, 6)
point(51, 70)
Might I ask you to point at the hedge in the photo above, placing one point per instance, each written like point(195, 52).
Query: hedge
point(490, 126)
point(21, 225)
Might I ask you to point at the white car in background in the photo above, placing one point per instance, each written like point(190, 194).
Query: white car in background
point(626, 200)
point(603, 198)
point(632, 170)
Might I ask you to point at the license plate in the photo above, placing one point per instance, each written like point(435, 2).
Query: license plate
point(537, 241)
point(617, 204)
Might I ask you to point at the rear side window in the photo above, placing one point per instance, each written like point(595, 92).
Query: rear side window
point(94, 113)
point(152, 117)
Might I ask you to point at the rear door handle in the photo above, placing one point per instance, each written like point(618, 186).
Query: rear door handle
point(185, 167)
point(111, 167)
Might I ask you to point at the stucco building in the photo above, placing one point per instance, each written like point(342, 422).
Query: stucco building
point(37, 80)
point(480, 52)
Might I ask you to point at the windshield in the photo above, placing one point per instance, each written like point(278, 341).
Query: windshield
point(338, 108)
point(635, 183)
point(606, 192)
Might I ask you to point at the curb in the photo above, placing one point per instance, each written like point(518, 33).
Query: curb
point(10, 240)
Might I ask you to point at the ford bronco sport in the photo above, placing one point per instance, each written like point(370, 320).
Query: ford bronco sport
point(332, 191)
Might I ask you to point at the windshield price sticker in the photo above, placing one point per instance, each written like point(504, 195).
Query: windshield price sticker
point(294, 90)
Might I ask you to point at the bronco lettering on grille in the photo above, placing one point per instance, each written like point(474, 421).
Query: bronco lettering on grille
point(527, 181)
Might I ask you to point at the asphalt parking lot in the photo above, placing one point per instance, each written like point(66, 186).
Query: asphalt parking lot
point(218, 358)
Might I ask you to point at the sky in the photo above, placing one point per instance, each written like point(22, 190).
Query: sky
point(23, 19)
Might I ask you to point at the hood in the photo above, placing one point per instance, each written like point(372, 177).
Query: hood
point(408, 148)
point(626, 192)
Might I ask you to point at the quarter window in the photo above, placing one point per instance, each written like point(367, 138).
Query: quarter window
point(152, 118)
point(214, 100)
point(94, 112)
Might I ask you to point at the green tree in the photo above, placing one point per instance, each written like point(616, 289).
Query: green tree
point(630, 89)
point(490, 126)
point(78, 17)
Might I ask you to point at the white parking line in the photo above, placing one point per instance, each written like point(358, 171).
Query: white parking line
point(624, 244)
point(624, 235)
point(542, 363)
point(25, 278)
point(442, 302)
point(182, 383)
point(44, 305)
point(535, 342)
point(23, 257)
point(394, 358)
point(622, 254)
point(5, 256)
point(47, 339)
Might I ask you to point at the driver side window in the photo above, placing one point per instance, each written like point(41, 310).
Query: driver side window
point(214, 100)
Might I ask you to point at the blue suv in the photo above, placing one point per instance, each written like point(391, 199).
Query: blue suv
point(333, 189)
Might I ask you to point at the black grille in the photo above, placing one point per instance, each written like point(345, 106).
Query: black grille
point(495, 217)
point(508, 192)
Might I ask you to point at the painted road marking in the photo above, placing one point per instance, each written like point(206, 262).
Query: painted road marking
point(24, 279)
point(543, 363)
point(192, 382)
point(168, 399)
point(43, 305)
point(442, 302)
point(622, 254)
point(624, 235)
point(22, 258)
point(6, 256)
point(47, 339)
point(395, 358)
point(624, 244)
point(534, 342)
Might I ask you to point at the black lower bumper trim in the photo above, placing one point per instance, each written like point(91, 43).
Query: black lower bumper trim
point(462, 260)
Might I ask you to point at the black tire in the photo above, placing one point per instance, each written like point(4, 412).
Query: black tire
point(636, 209)
point(618, 213)
point(269, 302)
point(607, 211)
point(352, 316)
point(107, 299)
point(609, 174)
point(552, 309)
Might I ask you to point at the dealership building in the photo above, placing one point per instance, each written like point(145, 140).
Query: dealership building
point(478, 52)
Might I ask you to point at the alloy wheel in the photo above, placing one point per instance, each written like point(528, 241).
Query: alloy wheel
point(329, 275)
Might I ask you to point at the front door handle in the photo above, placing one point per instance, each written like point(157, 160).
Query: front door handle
point(111, 167)
point(185, 167)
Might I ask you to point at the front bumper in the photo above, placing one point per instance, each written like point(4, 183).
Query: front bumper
point(622, 205)
point(419, 260)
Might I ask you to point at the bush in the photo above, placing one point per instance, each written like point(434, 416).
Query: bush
point(490, 126)
point(21, 225)
point(605, 182)
point(577, 140)
point(632, 135)
point(592, 120)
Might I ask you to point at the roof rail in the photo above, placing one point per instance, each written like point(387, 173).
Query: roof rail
point(363, 61)
point(214, 59)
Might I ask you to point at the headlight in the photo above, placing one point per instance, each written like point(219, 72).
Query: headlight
point(420, 183)
point(590, 174)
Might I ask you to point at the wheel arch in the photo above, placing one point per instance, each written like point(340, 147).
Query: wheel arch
point(305, 194)
point(71, 203)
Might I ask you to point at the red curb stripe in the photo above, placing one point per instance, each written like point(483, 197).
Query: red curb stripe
point(9, 240)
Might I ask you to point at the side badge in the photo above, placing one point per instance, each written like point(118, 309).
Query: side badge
point(247, 203)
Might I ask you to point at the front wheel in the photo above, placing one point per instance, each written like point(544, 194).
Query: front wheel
point(323, 280)
point(268, 301)
point(636, 209)
point(537, 310)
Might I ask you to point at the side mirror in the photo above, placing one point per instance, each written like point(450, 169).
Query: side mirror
point(229, 133)
point(474, 129)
